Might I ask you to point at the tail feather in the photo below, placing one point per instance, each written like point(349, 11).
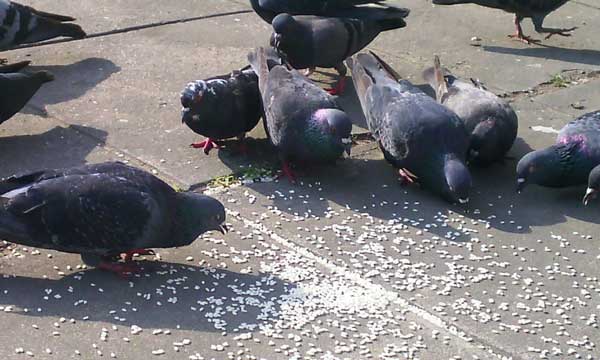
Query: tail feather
point(392, 23)
point(48, 29)
point(440, 84)
point(43, 14)
point(13, 230)
point(386, 67)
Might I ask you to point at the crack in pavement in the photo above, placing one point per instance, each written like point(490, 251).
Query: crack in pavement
point(137, 28)
point(469, 339)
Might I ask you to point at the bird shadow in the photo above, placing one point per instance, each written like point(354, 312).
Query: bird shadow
point(71, 82)
point(166, 296)
point(22, 153)
point(579, 56)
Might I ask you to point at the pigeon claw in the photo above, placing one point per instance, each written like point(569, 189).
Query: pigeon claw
point(339, 87)
point(524, 38)
point(287, 172)
point(207, 145)
point(122, 270)
point(407, 177)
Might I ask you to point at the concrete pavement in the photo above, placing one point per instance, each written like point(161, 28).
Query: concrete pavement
point(349, 266)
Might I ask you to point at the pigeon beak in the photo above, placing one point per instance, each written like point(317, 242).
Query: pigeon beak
point(347, 145)
point(463, 201)
point(223, 229)
point(590, 194)
point(521, 183)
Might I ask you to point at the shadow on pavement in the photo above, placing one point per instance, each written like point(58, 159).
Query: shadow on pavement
point(56, 148)
point(579, 56)
point(69, 83)
point(165, 296)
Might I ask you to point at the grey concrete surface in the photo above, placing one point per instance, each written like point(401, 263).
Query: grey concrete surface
point(344, 265)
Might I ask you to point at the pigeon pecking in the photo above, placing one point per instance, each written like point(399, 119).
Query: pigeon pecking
point(311, 41)
point(537, 10)
point(268, 9)
point(492, 123)
point(16, 89)
point(103, 211)
point(222, 107)
point(22, 25)
point(422, 138)
point(593, 185)
point(569, 161)
point(302, 121)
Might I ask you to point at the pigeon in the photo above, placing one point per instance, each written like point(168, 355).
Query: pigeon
point(302, 121)
point(22, 25)
point(16, 89)
point(593, 185)
point(491, 121)
point(537, 10)
point(426, 141)
point(307, 41)
point(569, 161)
point(268, 9)
point(222, 107)
point(103, 211)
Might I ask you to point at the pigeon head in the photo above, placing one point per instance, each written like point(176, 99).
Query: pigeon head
point(540, 167)
point(337, 125)
point(458, 180)
point(283, 25)
point(593, 185)
point(198, 214)
point(193, 93)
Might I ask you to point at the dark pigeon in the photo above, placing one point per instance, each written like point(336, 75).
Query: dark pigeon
point(23, 24)
point(313, 41)
point(222, 107)
point(569, 161)
point(103, 211)
point(16, 89)
point(302, 121)
point(593, 185)
point(491, 121)
point(537, 10)
point(268, 9)
point(422, 138)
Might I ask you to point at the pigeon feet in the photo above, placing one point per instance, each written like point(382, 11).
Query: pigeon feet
point(562, 32)
point(406, 177)
point(206, 145)
point(287, 172)
point(242, 146)
point(524, 38)
point(339, 87)
point(122, 270)
point(128, 256)
point(308, 72)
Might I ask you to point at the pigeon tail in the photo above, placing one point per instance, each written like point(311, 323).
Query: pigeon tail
point(393, 21)
point(262, 60)
point(48, 29)
point(11, 229)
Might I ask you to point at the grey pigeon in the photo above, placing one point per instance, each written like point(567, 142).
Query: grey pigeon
point(491, 121)
point(302, 121)
point(426, 141)
point(313, 41)
point(569, 161)
point(22, 25)
point(537, 10)
point(103, 211)
point(222, 107)
point(16, 89)
point(268, 9)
